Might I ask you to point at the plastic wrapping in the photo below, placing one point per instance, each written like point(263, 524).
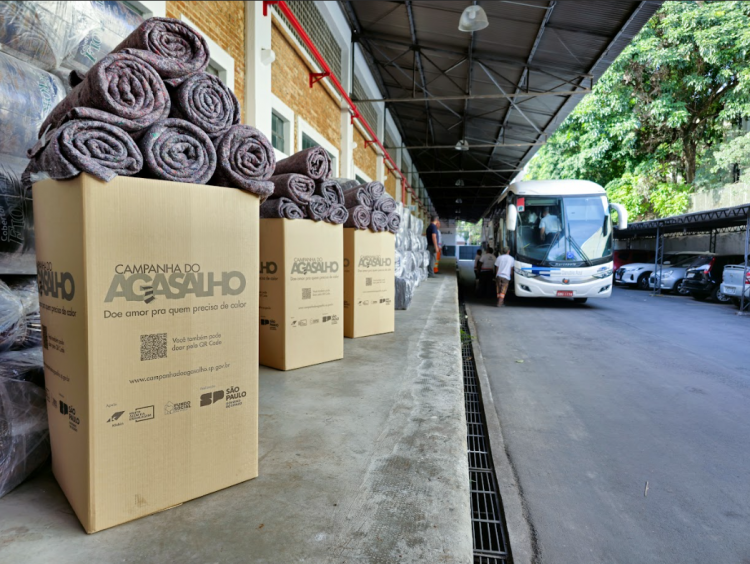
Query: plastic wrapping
point(108, 23)
point(404, 293)
point(42, 33)
point(25, 288)
point(25, 365)
point(12, 318)
point(24, 435)
point(16, 219)
point(398, 263)
point(27, 96)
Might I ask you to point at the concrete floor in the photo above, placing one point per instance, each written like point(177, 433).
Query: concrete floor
point(361, 460)
point(615, 394)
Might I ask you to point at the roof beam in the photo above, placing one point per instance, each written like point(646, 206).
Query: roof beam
point(530, 94)
point(418, 58)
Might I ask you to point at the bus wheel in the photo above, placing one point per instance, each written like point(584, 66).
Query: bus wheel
point(580, 300)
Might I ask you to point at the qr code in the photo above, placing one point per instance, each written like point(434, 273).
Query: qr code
point(153, 346)
point(368, 281)
point(306, 293)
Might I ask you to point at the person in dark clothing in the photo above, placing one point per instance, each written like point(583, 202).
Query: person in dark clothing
point(477, 267)
point(432, 244)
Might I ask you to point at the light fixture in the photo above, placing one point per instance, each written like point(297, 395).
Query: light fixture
point(462, 145)
point(267, 56)
point(459, 201)
point(460, 181)
point(473, 19)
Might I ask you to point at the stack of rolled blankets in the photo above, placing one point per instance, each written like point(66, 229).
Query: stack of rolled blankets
point(370, 207)
point(24, 435)
point(303, 189)
point(149, 109)
point(412, 257)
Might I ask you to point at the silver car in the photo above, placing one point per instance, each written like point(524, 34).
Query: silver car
point(672, 274)
point(731, 285)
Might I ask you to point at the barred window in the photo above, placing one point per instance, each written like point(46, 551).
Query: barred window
point(366, 109)
point(316, 27)
point(277, 132)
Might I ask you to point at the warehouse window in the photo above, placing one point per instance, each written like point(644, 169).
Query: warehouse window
point(309, 137)
point(282, 128)
point(149, 9)
point(221, 63)
point(317, 28)
point(359, 179)
point(278, 137)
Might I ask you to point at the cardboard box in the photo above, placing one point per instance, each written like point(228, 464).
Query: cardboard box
point(369, 283)
point(301, 293)
point(148, 292)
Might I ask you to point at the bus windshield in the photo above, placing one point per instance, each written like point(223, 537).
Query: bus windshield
point(573, 229)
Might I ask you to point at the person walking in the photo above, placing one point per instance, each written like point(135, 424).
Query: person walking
point(433, 235)
point(477, 268)
point(503, 272)
point(487, 272)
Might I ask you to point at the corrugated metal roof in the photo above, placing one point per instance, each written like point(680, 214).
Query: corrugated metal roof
point(530, 45)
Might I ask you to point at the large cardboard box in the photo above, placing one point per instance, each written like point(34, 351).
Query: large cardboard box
point(148, 292)
point(301, 293)
point(369, 283)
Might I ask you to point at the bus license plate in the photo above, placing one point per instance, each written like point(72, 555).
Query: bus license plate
point(565, 293)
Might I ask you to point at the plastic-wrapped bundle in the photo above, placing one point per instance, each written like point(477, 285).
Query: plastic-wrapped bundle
point(26, 289)
point(12, 318)
point(398, 263)
point(16, 219)
point(404, 293)
point(41, 33)
point(425, 259)
point(25, 365)
point(108, 23)
point(27, 96)
point(24, 435)
point(422, 243)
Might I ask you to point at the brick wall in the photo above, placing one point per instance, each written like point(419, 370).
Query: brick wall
point(290, 84)
point(364, 159)
point(224, 23)
point(391, 184)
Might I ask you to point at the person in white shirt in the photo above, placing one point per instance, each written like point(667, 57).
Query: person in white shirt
point(549, 226)
point(486, 275)
point(503, 271)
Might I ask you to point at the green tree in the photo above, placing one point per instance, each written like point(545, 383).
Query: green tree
point(654, 116)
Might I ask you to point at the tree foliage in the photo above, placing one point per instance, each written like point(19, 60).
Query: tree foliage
point(661, 111)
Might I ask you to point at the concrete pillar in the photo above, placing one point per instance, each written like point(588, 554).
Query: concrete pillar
point(380, 131)
point(258, 62)
point(346, 156)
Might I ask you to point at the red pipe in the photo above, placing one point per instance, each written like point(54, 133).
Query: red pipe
point(327, 73)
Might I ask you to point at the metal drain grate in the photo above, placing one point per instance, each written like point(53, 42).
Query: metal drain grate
point(489, 532)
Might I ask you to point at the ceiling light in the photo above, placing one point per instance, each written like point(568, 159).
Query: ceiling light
point(459, 201)
point(460, 181)
point(473, 19)
point(462, 145)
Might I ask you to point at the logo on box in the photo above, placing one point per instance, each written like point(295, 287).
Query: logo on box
point(115, 416)
point(211, 397)
point(142, 413)
point(170, 408)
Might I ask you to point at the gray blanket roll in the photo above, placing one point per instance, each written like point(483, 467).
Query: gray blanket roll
point(296, 187)
point(120, 90)
point(330, 190)
point(337, 215)
point(346, 183)
point(178, 151)
point(375, 190)
point(245, 160)
point(359, 217)
point(313, 162)
point(77, 146)
point(318, 208)
point(357, 196)
point(205, 101)
point(281, 208)
point(386, 204)
point(171, 47)
point(378, 221)
point(394, 222)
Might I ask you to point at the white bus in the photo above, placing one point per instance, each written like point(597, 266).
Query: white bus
point(560, 233)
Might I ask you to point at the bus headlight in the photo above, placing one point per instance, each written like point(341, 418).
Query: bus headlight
point(525, 273)
point(603, 273)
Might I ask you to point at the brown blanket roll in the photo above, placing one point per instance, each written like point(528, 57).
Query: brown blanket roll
point(375, 190)
point(359, 217)
point(386, 204)
point(378, 221)
point(338, 214)
point(313, 162)
point(330, 190)
point(244, 159)
point(281, 208)
point(318, 208)
point(394, 222)
point(178, 151)
point(357, 196)
point(296, 187)
point(205, 101)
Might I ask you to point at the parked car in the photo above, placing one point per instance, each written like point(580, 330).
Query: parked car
point(704, 277)
point(732, 284)
point(639, 273)
point(627, 256)
point(672, 274)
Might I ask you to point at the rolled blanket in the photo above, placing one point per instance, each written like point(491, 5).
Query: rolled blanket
point(394, 222)
point(346, 183)
point(386, 204)
point(378, 221)
point(375, 190)
point(120, 90)
point(338, 214)
point(281, 208)
point(84, 145)
point(330, 190)
point(318, 208)
point(168, 45)
point(296, 187)
point(313, 162)
point(176, 150)
point(359, 217)
point(244, 159)
point(357, 196)
point(205, 101)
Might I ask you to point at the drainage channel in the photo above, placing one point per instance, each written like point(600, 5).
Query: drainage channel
point(488, 522)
